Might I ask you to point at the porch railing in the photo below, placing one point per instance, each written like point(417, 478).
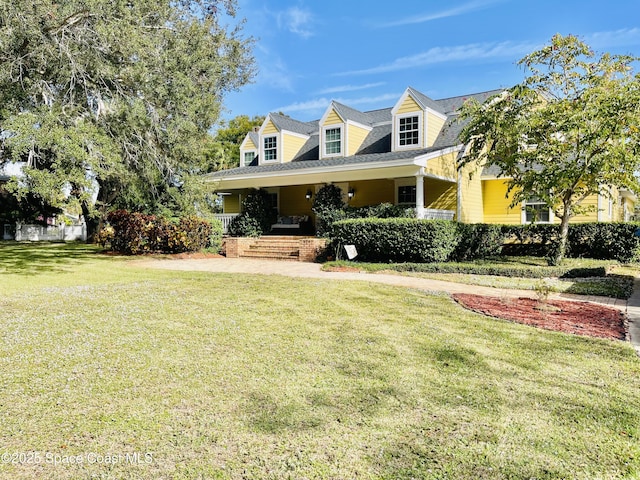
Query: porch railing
point(434, 214)
point(226, 219)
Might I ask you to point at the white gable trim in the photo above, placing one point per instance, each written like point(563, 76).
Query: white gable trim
point(327, 112)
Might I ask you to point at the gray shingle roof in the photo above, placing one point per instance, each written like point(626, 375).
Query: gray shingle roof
point(255, 138)
point(376, 146)
point(348, 113)
point(283, 122)
point(426, 101)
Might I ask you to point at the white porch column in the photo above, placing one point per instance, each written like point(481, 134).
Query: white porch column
point(420, 194)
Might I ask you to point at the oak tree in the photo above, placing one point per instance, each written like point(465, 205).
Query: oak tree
point(111, 101)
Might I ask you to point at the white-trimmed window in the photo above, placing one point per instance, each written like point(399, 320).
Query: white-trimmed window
point(332, 141)
point(407, 195)
point(408, 131)
point(249, 157)
point(271, 148)
point(536, 210)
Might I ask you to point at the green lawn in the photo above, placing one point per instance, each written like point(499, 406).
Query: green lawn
point(222, 376)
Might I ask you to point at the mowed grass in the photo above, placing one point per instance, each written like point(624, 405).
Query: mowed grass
point(247, 376)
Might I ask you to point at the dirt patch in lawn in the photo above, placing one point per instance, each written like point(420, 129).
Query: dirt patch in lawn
point(579, 318)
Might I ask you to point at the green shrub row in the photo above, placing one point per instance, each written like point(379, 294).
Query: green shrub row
point(414, 240)
point(606, 241)
point(134, 233)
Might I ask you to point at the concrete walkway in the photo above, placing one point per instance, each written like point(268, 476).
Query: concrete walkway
point(314, 270)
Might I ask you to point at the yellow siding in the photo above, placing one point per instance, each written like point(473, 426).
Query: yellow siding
point(434, 125)
point(591, 214)
point(409, 105)
point(291, 145)
point(444, 166)
point(332, 119)
point(496, 205)
point(372, 192)
point(231, 203)
point(269, 128)
point(293, 201)
point(356, 137)
point(249, 145)
point(470, 196)
point(440, 195)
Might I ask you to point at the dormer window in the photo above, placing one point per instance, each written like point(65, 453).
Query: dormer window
point(271, 148)
point(332, 141)
point(408, 131)
point(249, 157)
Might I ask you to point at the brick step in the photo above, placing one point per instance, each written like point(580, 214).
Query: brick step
point(278, 240)
point(271, 255)
point(275, 247)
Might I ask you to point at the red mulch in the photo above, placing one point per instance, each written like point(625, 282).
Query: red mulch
point(579, 318)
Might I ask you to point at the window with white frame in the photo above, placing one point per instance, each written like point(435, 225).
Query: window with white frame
point(249, 157)
point(270, 149)
point(408, 131)
point(406, 195)
point(536, 211)
point(333, 141)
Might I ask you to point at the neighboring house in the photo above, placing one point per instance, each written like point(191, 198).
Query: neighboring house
point(404, 155)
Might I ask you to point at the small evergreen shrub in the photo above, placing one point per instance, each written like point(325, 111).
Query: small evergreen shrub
point(244, 226)
point(397, 239)
point(328, 207)
point(257, 216)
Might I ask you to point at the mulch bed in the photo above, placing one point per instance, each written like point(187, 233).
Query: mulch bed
point(579, 318)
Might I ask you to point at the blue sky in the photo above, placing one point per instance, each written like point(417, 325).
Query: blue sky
point(365, 53)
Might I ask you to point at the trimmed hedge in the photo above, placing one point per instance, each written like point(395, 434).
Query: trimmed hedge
point(478, 240)
point(615, 241)
point(414, 240)
point(137, 233)
point(397, 239)
point(606, 241)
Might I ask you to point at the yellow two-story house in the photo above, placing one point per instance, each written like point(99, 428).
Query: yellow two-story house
point(405, 155)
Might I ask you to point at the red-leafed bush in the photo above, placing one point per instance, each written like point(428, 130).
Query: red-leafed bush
point(136, 233)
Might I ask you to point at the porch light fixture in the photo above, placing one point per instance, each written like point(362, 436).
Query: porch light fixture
point(308, 195)
point(351, 193)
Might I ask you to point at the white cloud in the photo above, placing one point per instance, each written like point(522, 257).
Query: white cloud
point(349, 88)
point(451, 12)
point(296, 20)
point(275, 73)
point(615, 38)
point(459, 53)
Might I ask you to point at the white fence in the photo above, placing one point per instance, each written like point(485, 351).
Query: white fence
point(226, 219)
point(39, 233)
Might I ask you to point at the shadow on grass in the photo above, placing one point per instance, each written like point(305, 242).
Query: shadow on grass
point(44, 257)
point(609, 285)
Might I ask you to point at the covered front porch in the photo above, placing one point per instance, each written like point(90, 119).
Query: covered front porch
point(431, 198)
